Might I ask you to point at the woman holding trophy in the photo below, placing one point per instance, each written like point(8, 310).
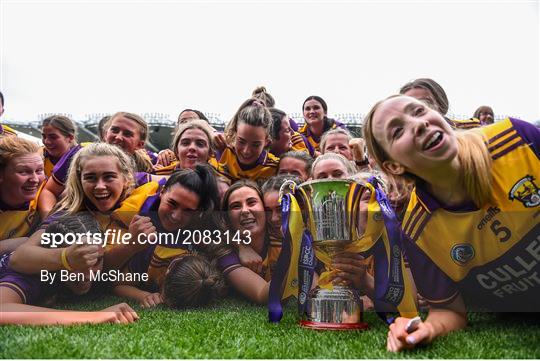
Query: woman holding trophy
point(470, 232)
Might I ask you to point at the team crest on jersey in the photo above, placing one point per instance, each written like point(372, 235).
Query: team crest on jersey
point(526, 191)
point(462, 253)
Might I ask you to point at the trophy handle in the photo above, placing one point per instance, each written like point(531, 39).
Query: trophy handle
point(291, 185)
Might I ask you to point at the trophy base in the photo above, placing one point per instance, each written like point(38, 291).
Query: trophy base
point(333, 326)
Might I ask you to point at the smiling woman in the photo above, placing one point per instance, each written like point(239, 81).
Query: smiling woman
point(21, 174)
point(317, 122)
point(58, 133)
point(463, 179)
point(248, 134)
point(100, 179)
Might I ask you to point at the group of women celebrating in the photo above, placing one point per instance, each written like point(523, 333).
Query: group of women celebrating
point(467, 201)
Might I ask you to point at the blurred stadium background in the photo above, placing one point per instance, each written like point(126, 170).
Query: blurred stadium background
point(162, 125)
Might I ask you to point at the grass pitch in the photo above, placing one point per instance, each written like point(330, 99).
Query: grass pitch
point(238, 329)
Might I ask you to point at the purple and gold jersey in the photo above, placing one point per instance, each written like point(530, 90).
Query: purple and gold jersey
point(19, 222)
point(264, 168)
point(61, 168)
point(155, 261)
point(465, 123)
point(313, 140)
point(29, 287)
point(175, 165)
point(491, 255)
point(5, 130)
point(300, 143)
point(168, 170)
point(272, 254)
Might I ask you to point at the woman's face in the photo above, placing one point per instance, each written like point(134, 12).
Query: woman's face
point(246, 210)
point(103, 182)
point(416, 138)
point(177, 207)
point(193, 148)
point(187, 116)
point(249, 143)
point(486, 116)
point(273, 211)
point(296, 167)
point(338, 143)
point(283, 144)
point(83, 283)
point(330, 169)
point(424, 95)
point(313, 113)
point(54, 141)
point(124, 133)
point(21, 178)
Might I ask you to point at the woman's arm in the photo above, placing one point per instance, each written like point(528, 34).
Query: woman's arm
point(31, 258)
point(250, 258)
point(9, 245)
point(14, 312)
point(118, 255)
point(440, 321)
point(249, 284)
point(48, 197)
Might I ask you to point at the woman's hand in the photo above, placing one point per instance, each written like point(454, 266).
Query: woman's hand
point(152, 300)
point(141, 225)
point(399, 339)
point(440, 321)
point(250, 259)
point(120, 313)
point(219, 141)
point(83, 256)
point(165, 158)
point(352, 269)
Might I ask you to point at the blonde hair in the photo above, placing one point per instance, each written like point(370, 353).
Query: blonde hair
point(143, 125)
point(475, 161)
point(334, 131)
point(349, 166)
point(73, 200)
point(194, 124)
point(473, 156)
point(11, 147)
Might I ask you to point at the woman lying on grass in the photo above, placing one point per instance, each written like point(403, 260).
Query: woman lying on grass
point(188, 272)
point(20, 293)
point(176, 275)
point(100, 181)
point(470, 232)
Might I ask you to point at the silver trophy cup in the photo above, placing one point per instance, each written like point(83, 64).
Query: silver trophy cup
point(330, 211)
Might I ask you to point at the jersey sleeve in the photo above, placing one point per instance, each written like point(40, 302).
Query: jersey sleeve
point(228, 263)
point(61, 168)
point(530, 134)
point(433, 284)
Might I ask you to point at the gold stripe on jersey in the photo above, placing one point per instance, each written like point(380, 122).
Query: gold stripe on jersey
point(272, 255)
point(161, 258)
point(495, 228)
point(298, 143)
point(167, 170)
point(466, 123)
point(6, 130)
point(17, 223)
point(230, 168)
point(503, 141)
point(47, 167)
